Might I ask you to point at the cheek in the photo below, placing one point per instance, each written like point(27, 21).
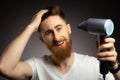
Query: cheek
point(47, 40)
point(65, 34)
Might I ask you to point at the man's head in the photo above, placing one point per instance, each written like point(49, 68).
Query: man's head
point(55, 32)
point(52, 10)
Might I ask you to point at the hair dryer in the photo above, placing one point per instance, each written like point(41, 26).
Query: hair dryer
point(103, 28)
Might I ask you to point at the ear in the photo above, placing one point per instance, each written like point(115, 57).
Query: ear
point(41, 38)
point(69, 28)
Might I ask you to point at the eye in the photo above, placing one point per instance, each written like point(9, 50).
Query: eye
point(48, 32)
point(58, 29)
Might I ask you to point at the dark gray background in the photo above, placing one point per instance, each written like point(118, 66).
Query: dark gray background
point(15, 15)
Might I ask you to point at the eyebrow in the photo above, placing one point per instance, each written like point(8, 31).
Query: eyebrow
point(57, 26)
point(54, 27)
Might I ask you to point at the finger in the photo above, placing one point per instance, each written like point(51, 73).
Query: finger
point(42, 11)
point(111, 59)
point(105, 55)
point(36, 20)
point(112, 40)
point(106, 46)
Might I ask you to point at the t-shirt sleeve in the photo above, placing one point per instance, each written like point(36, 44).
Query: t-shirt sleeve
point(32, 64)
point(109, 76)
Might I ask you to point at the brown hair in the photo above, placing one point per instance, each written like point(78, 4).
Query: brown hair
point(53, 10)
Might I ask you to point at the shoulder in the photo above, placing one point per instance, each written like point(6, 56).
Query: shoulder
point(36, 64)
point(83, 56)
point(38, 60)
point(86, 58)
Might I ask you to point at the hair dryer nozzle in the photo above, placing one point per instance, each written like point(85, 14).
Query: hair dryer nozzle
point(97, 26)
point(82, 26)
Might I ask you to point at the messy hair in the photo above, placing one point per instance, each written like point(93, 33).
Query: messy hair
point(53, 10)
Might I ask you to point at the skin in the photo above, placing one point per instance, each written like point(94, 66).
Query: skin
point(52, 28)
point(11, 56)
point(55, 28)
point(57, 34)
point(110, 55)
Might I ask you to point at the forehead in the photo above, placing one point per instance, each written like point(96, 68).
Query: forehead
point(52, 21)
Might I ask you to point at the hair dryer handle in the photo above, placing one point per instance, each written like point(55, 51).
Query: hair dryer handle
point(103, 64)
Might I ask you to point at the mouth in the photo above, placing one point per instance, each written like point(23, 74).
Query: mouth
point(59, 43)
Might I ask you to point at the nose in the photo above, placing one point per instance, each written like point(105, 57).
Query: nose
point(56, 36)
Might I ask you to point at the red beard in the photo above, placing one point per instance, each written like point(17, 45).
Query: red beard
point(63, 52)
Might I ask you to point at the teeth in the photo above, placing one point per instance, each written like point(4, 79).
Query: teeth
point(59, 43)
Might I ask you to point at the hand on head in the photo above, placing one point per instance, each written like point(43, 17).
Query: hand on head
point(36, 20)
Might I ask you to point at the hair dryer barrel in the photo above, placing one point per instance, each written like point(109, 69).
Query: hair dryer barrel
point(97, 26)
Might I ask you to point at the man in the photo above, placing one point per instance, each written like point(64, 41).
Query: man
point(62, 64)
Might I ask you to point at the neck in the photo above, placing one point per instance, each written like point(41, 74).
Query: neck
point(63, 65)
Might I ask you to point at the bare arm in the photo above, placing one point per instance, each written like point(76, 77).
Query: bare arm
point(10, 64)
point(116, 75)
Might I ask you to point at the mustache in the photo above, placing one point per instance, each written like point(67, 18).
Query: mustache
point(55, 42)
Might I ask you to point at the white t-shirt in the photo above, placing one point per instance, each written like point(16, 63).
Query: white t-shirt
point(83, 68)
